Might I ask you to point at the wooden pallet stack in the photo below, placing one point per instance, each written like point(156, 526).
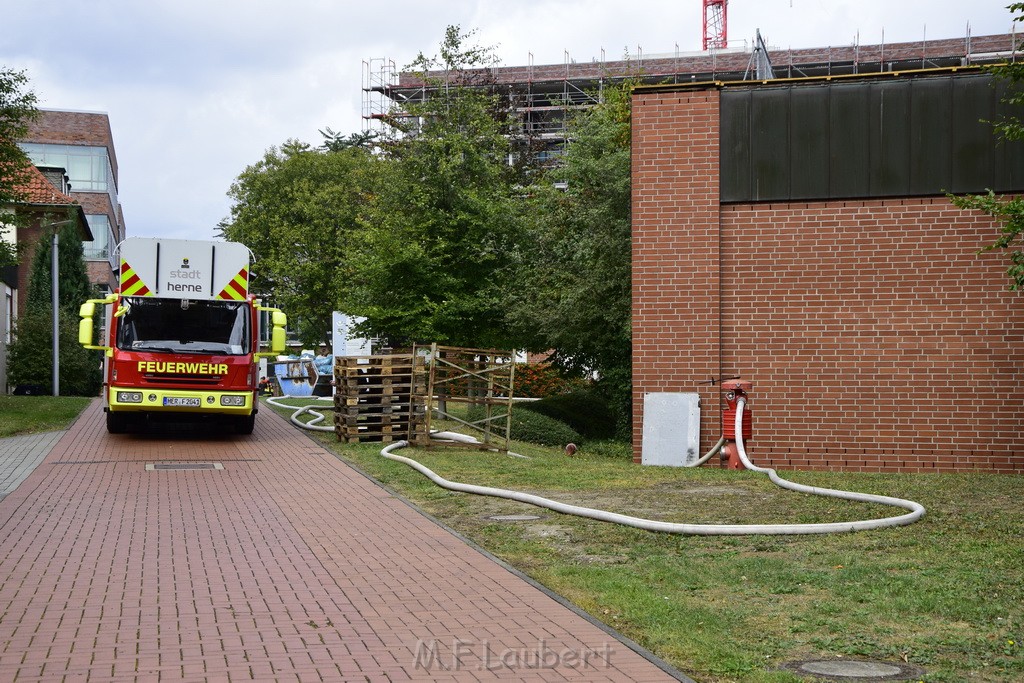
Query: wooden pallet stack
point(380, 398)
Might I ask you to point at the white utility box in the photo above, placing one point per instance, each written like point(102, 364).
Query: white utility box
point(671, 434)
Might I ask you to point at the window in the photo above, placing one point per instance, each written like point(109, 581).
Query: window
point(8, 313)
point(103, 238)
point(185, 326)
point(87, 167)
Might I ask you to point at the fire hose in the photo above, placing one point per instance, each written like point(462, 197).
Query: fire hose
point(916, 510)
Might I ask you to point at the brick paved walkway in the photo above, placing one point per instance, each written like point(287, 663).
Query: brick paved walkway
point(19, 455)
point(285, 565)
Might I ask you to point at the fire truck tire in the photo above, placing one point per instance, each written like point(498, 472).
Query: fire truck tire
point(244, 425)
point(117, 423)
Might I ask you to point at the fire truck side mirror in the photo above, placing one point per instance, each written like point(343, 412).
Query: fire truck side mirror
point(277, 340)
point(277, 335)
point(85, 330)
point(87, 312)
point(279, 322)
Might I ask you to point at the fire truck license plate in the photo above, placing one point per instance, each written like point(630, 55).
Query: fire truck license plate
point(182, 402)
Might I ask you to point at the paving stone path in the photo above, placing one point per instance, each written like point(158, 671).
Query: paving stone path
point(284, 565)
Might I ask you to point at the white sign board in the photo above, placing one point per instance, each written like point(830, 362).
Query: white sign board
point(343, 343)
point(184, 269)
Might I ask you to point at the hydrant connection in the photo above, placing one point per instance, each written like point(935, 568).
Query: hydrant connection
point(734, 390)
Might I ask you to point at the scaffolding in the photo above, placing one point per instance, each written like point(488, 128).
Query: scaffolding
point(470, 378)
point(543, 96)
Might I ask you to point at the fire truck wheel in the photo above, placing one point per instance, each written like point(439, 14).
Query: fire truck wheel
point(117, 423)
point(244, 425)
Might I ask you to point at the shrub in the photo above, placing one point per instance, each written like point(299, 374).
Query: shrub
point(538, 381)
point(533, 427)
point(583, 411)
point(30, 356)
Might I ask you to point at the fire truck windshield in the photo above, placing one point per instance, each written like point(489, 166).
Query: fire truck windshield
point(185, 326)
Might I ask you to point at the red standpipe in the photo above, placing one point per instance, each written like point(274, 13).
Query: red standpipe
point(735, 389)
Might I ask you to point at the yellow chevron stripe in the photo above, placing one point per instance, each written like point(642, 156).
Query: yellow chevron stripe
point(136, 285)
point(241, 281)
point(238, 292)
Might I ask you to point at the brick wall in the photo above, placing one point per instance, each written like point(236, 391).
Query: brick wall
point(93, 129)
point(876, 337)
point(100, 272)
point(74, 128)
point(675, 249)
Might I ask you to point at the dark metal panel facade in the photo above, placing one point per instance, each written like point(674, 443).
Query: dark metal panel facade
point(931, 168)
point(889, 140)
point(973, 152)
point(909, 136)
point(1009, 157)
point(847, 105)
point(735, 144)
point(809, 137)
point(770, 145)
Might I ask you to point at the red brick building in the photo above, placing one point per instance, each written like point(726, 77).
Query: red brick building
point(82, 144)
point(46, 202)
point(797, 233)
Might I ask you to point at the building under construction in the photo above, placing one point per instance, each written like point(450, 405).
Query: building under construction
point(542, 94)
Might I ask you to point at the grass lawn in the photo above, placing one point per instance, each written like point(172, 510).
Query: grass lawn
point(32, 414)
point(945, 594)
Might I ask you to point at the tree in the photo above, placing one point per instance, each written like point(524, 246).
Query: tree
point(432, 264)
point(30, 359)
point(575, 296)
point(17, 110)
point(297, 209)
point(73, 286)
point(1007, 210)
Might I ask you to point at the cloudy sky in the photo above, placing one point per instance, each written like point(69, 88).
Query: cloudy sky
point(197, 90)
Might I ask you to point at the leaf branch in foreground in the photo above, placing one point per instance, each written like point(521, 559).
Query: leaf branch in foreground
point(1010, 212)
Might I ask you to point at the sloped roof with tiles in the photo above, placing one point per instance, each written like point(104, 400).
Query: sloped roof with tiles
point(39, 190)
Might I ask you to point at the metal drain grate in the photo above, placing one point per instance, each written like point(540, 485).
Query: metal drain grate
point(153, 466)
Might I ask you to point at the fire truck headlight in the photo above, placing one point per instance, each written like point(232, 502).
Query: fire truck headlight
point(129, 397)
point(232, 400)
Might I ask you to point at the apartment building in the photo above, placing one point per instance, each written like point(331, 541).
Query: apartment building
point(81, 143)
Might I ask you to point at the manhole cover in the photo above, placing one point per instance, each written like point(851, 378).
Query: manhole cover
point(513, 518)
point(855, 670)
point(153, 466)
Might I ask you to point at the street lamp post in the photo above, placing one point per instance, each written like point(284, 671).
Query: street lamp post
point(56, 322)
point(54, 291)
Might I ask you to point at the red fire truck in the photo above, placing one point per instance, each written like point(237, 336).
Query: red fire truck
point(182, 334)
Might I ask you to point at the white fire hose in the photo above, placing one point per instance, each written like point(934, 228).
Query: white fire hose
point(916, 511)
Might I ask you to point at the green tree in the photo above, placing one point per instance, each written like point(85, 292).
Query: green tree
point(30, 359)
point(17, 110)
point(1007, 210)
point(297, 210)
point(73, 286)
point(575, 296)
point(433, 264)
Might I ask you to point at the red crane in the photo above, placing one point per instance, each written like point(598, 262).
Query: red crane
point(715, 24)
